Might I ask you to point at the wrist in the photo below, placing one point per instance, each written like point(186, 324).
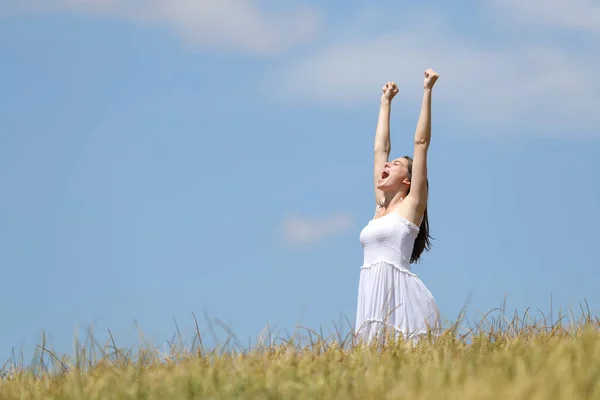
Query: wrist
point(386, 102)
point(426, 89)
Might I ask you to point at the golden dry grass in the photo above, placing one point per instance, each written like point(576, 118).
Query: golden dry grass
point(514, 359)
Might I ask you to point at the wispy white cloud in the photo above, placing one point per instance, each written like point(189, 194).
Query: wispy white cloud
point(239, 25)
point(487, 85)
point(580, 15)
point(303, 231)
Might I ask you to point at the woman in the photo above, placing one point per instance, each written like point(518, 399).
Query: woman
point(391, 299)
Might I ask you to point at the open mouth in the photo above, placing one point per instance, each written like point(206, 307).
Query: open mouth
point(384, 174)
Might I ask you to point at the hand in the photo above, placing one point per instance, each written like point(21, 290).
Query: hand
point(430, 78)
point(389, 90)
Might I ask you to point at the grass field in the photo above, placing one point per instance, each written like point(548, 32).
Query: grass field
point(501, 359)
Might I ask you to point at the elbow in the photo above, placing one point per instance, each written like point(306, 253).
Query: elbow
point(421, 142)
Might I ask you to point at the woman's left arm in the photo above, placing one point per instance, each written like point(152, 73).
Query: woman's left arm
point(418, 185)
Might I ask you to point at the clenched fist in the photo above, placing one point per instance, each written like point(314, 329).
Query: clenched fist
point(430, 78)
point(389, 90)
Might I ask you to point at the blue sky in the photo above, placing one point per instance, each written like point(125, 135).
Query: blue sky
point(164, 158)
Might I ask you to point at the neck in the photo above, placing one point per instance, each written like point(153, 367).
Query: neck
point(393, 199)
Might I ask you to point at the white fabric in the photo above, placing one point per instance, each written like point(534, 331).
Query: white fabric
point(391, 297)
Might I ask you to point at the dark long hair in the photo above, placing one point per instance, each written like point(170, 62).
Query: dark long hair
point(423, 240)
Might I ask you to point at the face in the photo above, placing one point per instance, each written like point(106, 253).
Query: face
point(394, 175)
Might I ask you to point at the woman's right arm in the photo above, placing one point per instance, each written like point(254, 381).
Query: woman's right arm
point(383, 145)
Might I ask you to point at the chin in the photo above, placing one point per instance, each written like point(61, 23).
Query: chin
point(381, 185)
point(387, 185)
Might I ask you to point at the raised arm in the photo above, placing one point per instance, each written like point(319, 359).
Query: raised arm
point(418, 185)
point(383, 144)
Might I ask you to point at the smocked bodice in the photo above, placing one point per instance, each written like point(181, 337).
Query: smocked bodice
point(390, 239)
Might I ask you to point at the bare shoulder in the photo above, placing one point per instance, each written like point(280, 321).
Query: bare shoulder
point(412, 210)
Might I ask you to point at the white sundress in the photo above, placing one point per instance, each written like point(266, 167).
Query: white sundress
point(391, 297)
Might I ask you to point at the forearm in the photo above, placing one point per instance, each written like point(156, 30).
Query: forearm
point(423, 131)
point(382, 134)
